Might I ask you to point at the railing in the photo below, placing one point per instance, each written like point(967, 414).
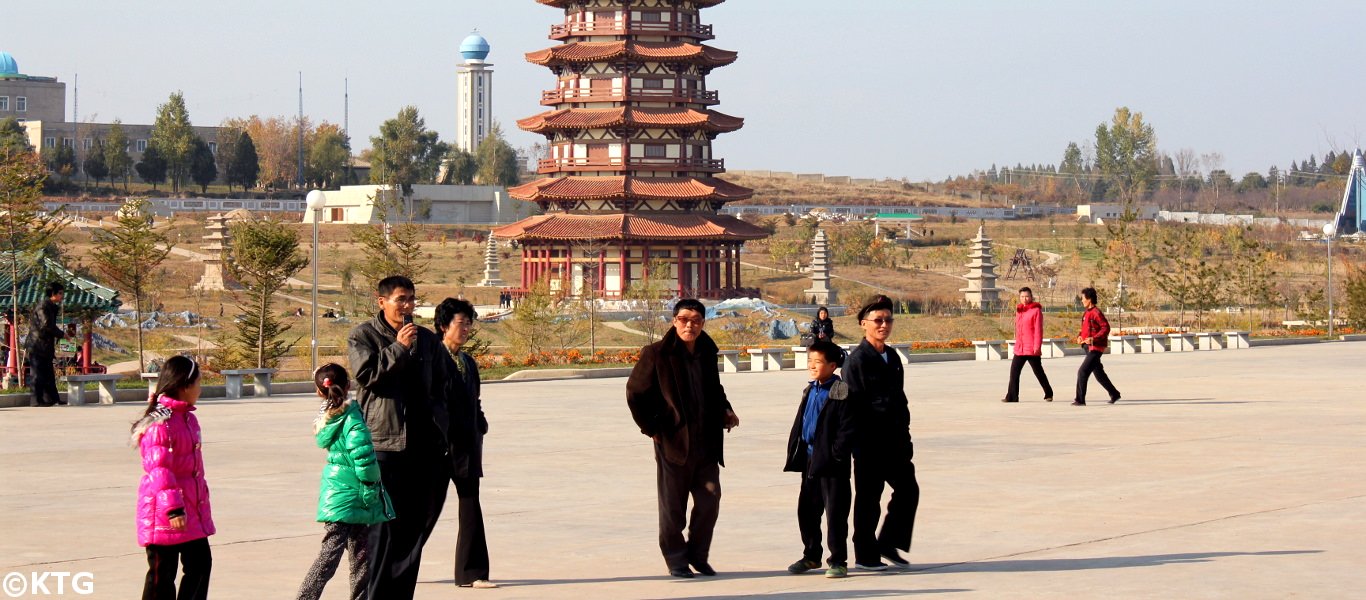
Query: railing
point(550, 97)
point(560, 165)
point(621, 27)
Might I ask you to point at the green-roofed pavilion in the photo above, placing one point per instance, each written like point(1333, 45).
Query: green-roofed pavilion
point(83, 300)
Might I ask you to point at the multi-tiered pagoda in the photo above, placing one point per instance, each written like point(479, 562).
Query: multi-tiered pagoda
point(631, 181)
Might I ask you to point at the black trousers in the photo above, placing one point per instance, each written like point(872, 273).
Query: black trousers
point(1091, 365)
point(828, 496)
point(1016, 365)
point(196, 561)
point(870, 473)
point(700, 479)
point(471, 546)
point(43, 381)
point(416, 482)
point(339, 538)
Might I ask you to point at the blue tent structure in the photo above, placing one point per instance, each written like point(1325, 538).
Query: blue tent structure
point(1350, 219)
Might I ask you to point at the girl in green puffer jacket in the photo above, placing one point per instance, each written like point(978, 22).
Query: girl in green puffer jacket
point(351, 499)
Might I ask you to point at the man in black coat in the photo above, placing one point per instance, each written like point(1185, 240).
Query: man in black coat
point(883, 452)
point(399, 371)
point(676, 398)
point(42, 350)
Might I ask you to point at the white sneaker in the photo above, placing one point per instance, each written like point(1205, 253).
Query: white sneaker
point(877, 566)
point(481, 584)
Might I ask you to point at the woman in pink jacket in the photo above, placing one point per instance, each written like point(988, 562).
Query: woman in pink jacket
point(174, 520)
point(1028, 344)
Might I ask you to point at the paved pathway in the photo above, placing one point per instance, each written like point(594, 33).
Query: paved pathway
point(1232, 474)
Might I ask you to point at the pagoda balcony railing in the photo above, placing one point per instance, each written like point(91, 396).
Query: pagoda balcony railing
point(563, 165)
point(621, 27)
point(639, 94)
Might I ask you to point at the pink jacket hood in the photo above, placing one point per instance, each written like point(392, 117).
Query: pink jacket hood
point(169, 441)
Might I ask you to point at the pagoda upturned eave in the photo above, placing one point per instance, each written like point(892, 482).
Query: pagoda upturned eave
point(671, 227)
point(623, 187)
point(632, 117)
point(576, 53)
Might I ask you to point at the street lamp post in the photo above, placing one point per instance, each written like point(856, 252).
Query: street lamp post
point(1328, 231)
point(316, 200)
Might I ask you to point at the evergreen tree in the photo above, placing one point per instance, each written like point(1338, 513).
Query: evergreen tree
point(497, 160)
point(116, 154)
point(13, 140)
point(460, 167)
point(263, 255)
point(174, 137)
point(94, 165)
point(129, 254)
point(203, 167)
point(28, 228)
point(245, 166)
point(152, 167)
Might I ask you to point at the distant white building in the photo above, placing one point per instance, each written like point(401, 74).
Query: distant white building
point(434, 204)
point(474, 94)
point(1098, 213)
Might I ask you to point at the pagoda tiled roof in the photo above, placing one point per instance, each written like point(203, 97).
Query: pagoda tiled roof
point(589, 52)
point(644, 118)
point(613, 187)
point(632, 226)
point(568, 3)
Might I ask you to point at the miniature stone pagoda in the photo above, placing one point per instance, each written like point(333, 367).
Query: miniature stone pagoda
point(214, 246)
point(631, 183)
point(493, 277)
point(982, 291)
point(820, 291)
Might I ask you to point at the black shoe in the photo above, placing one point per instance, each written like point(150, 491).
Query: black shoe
point(682, 572)
point(802, 566)
point(1008, 400)
point(1114, 399)
point(703, 568)
point(63, 402)
point(1078, 403)
point(1048, 399)
point(894, 557)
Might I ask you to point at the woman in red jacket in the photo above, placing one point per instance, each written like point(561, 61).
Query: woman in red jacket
point(1028, 346)
point(1095, 332)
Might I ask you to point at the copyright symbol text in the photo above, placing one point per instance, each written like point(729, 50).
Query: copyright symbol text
point(15, 584)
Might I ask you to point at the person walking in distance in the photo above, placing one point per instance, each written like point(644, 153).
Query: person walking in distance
point(1028, 346)
point(400, 390)
point(42, 346)
point(455, 324)
point(882, 449)
point(1094, 338)
point(676, 398)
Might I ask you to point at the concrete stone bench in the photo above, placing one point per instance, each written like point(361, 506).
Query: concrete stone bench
point(1209, 341)
point(765, 359)
point(799, 357)
point(730, 361)
point(75, 388)
point(1353, 337)
point(989, 349)
point(1181, 342)
point(1053, 348)
point(1125, 344)
point(1152, 342)
point(903, 351)
point(1237, 340)
point(233, 381)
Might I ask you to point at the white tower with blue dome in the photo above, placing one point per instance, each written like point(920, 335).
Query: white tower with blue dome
point(474, 90)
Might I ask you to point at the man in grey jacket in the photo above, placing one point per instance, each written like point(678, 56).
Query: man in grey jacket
point(399, 377)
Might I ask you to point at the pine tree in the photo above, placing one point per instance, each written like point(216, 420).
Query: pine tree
point(263, 255)
point(129, 254)
point(245, 166)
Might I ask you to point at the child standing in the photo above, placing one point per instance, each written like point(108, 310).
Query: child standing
point(351, 498)
point(174, 520)
point(819, 448)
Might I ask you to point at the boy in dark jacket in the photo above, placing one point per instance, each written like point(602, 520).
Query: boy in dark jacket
point(819, 449)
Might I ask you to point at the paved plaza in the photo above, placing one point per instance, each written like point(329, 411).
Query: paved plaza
point(1229, 474)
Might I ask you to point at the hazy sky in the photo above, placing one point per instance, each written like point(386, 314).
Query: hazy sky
point(871, 88)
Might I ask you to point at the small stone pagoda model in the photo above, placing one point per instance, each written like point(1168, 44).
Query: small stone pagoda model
point(982, 291)
point(820, 291)
point(215, 243)
point(492, 276)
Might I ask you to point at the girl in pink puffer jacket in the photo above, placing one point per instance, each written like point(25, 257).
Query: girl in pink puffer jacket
point(173, 516)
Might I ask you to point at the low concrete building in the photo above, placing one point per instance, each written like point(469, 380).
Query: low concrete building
point(436, 204)
point(1097, 213)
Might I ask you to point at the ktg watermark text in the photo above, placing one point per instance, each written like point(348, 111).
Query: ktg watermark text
point(48, 583)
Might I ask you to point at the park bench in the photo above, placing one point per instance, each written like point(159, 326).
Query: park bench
point(232, 387)
point(1125, 344)
point(75, 387)
point(1353, 337)
point(989, 349)
point(1182, 342)
point(1152, 342)
point(903, 351)
point(799, 357)
point(730, 361)
point(765, 359)
point(1053, 348)
point(1209, 341)
point(1236, 340)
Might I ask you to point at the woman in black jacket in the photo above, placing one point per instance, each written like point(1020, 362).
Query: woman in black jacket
point(822, 328)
